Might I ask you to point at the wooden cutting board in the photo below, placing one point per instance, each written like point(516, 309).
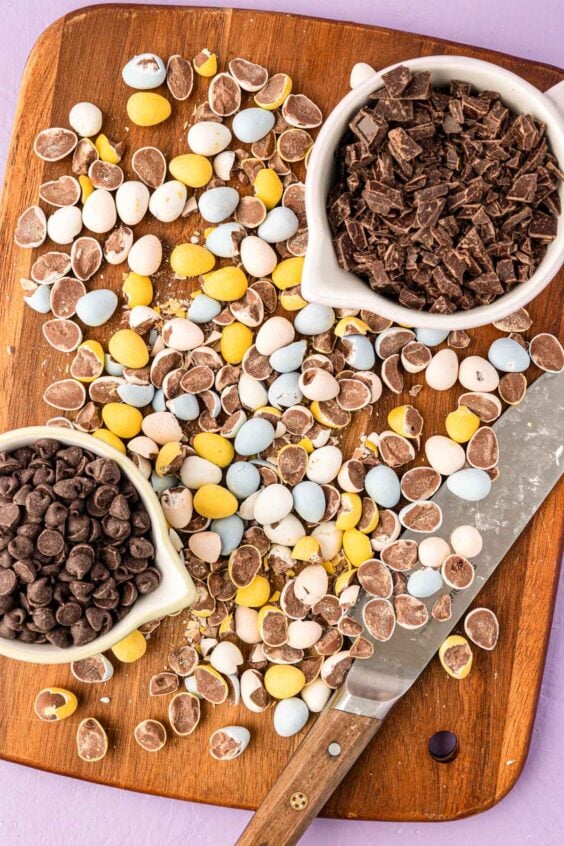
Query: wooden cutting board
point(80, 57)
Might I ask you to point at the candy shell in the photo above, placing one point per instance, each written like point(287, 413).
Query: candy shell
point(92, 670)
point(482, 627)
point(91, 740)
point(284, 392)
point(359, 352)
point(144, 71)
point(455, 656)
point(229, 742)
point(290, 716)
point(508, 356)
point(470, 484)
point(55, 703)
point(220, 240)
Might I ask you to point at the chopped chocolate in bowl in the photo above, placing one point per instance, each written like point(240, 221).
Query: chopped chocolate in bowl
point(445, 199)
point(77, 549)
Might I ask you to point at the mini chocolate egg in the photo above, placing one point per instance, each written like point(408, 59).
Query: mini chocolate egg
point(314, 319)
point(477, 374)
point(181, 334)
point(442, 371)
point(226, 658)
point(252, 393)
point(159, 400)
point(217, 204)
point(290, 715)
point(184, 406)
point(274, 333)
point(433, 551)
point(132, 201)
point(288, 358)
point(160, 484)
point(505, 354)
point(444, 454)
point(220, 240)
point(424, 582)
point(470, 484)
point(285, 391)
point(359, 352)
point(145, 255)
point(257, 257)
point(302, 634)
point(162, 427)
point(96, 307)
point(99, 211)
point(145, 71)
point(136, 395)
point(287, 532)
point(311, 584)
point(113, 368)
point(85, 119)
point(280, 224)
point(316, 695)
point(203, 309)
point(168, 201)
point(177, 507)
point(272, 504)
point(382, 485)
point(207, 138)
point(230, 530)
point(309, 501)
point(324, 464)
point(64, 224)
point(431, 337)
point(250, 125)
point(254, 436)
point(466, 541)
point(242, 478)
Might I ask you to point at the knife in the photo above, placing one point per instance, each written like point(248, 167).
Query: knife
point(531, 460)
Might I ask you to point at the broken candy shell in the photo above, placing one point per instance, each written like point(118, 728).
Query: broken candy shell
point(482, 627)
point(54, 703)
point(455, 656)
point(150, 735)
point(91, 740)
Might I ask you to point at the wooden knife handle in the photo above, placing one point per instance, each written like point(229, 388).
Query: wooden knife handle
point(320, 763)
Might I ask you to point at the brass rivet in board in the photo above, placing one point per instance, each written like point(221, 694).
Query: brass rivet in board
point(334, 749)
point(298, 801)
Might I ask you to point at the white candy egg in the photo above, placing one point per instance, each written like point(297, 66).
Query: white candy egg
point(250, 125)
point(303, 633)
point(168, 201)
point(162, 427)
point(287, 532)
point(273, 504)
point(274, 333)
point(290, 715)
point(217, 204)
point(181, 334)
point(311, 583)
point(207, 138)
point(246, 625)
point(85, 119)
point(318, 384)
point(132, 201)
point(470, 484)
point(64, 224)
point(442, 371)
point(279, 225)
point(433, 551)
point(196, 471)
point(257, 257)
point(146, 255)
point(176, 504)
point(145, 71)
point(226, 657)
point(444, 455)
point(252, 393)
point(324, 464)
point(220, 240)
point(96, 307)
point(330, 539)
point(40, 300)
point(99, 211)
point(466, 541)
point(239, 738)
point(477, 374)
point(316, 695)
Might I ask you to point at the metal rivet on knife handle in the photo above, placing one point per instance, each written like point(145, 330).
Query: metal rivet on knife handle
point(298, 801)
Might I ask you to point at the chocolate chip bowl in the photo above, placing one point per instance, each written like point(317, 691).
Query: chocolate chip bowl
point(434, 194)
point(85, 551)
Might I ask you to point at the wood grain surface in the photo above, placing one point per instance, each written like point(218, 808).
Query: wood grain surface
point(492, 711)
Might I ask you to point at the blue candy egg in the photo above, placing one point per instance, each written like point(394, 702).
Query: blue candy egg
point(288, 358)
point(254, 436)
point(508, 356)
point(250, 125)
point(160, 484)
point(144, 72)
point(242, 479)
point(290, 716)
point(217, 204)
point(230, 530)
point(424, 582)
point(359, 352)
point(219, 241)
point(382, 485)
point(112, 367)
point(40, 300)
point(285, 391)
point(159, 400)
point(470, 484)
point(279, 225)
point(309, 501)
point(185, 406)
point(431, 337)
point(136, 395)
point(96, 307)
point(203, 309)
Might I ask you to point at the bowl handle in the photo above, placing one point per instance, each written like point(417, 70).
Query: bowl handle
point(359, 73)
point(556, 96)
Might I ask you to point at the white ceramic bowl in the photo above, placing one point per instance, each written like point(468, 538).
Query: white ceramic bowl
point(176, 589)
point(323, 281)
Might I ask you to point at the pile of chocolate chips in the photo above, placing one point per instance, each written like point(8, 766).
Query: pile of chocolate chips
point(75, 548)
point(444, 200)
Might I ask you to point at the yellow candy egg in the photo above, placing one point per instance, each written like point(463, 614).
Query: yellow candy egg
point(356, 546)
point(283, 681)
point(168, 458)
point(128, 348)
point(215, 448)
point(227, 284)
point(131, 648)
point(268, 187)
point(306, 549)
point(138, 290)
point(288, 273)
point(235, 341)
point(350, 511)
point(189, 260)
point(86, 186)
point(145, 108)
point(55, 703)
point(107, 150)
point(215, 502)
point(455, 655)
point(191, 169)
point(461, 424)
point(291, 301)
point(109, 438)
point(121, 419)
point(254, 595)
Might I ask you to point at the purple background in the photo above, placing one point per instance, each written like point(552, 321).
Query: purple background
point(60, 810)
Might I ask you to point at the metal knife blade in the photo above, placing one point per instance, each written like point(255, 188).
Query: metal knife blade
point(531, 460)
